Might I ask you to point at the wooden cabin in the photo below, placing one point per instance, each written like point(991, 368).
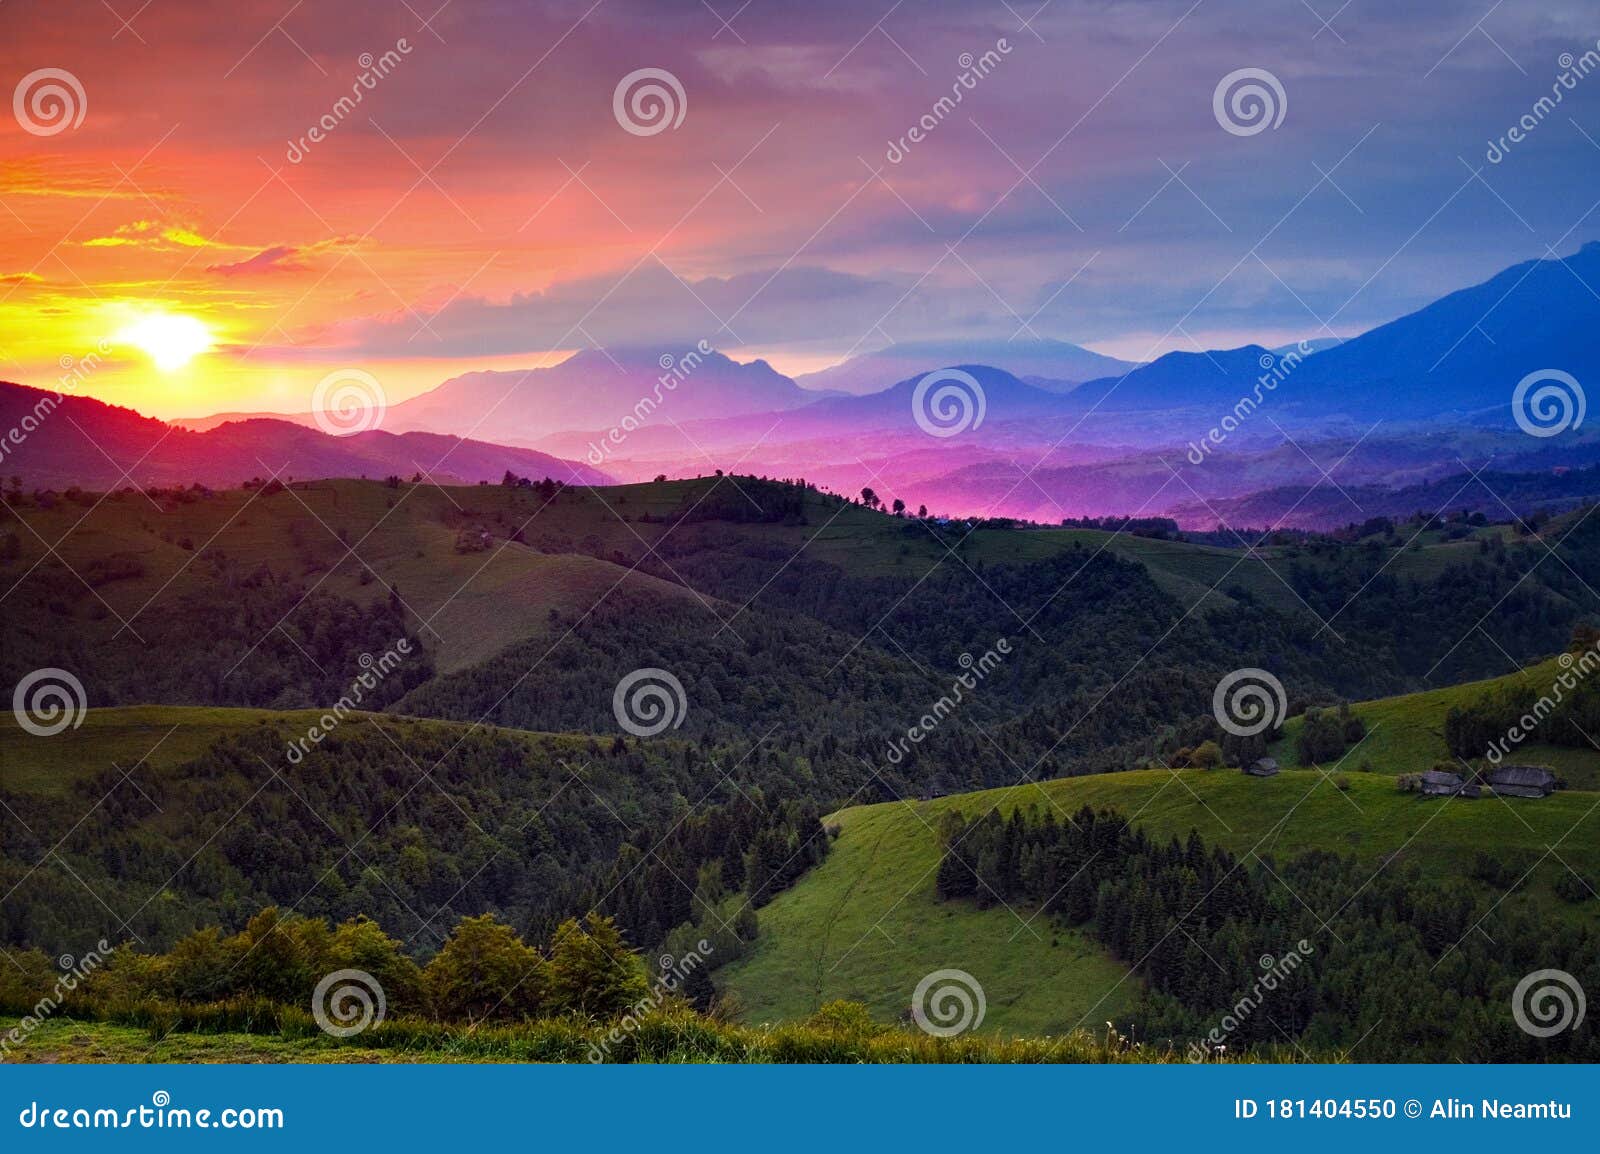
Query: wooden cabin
point(1522, 780)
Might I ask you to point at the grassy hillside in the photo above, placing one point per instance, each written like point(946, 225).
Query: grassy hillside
point(148, 737)
point(140, 552)
point(327, 533)
point(866, 924)
point(1406, 734)
point(813, 580)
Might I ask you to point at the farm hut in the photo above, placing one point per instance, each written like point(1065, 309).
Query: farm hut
point(1522, 780)
point(1263, 767)
point(1440, 783)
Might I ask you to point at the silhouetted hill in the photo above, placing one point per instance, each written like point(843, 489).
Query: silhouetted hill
point(80, 441)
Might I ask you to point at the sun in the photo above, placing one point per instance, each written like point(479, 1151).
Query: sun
point(171, 340)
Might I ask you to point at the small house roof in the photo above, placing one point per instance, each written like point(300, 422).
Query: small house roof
point(1534, 776)
point(1441, 777)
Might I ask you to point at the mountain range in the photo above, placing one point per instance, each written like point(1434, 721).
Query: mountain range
point(1063, 431)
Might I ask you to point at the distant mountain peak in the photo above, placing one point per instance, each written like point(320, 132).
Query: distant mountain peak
point(1058, 364)
point(597, 389)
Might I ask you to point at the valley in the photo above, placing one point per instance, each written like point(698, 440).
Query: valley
point(528, 602)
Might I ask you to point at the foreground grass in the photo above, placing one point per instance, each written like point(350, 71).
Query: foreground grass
point(842, 1034)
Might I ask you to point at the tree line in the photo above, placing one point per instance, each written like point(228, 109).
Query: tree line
point(1397, 971)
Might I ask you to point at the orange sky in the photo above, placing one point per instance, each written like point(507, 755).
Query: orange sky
point(485, 207)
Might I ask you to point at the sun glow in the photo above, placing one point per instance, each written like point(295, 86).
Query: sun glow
point(171, 340)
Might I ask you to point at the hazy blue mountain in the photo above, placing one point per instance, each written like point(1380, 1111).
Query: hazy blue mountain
point(1005, 398)
point(1057, 363)
point(1462, 354)
point(1180, 381)
point(1468, 350)
point(596, 389)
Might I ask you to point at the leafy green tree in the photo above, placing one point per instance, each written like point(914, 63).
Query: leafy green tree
point(200, 966)
point(485, 971)
point(593, 971)
point(361, 944)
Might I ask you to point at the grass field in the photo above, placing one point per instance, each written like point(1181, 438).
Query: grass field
point(1406, 734)
point(670, 1034)
point(866, 924)
point(61, 1039)
point(866, 919)
point(327, 532)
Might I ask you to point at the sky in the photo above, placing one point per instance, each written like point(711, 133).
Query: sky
point(175, 237)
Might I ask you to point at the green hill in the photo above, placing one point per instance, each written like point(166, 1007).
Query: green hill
point(807, 634)
point(866, 924)
point(1405, 734)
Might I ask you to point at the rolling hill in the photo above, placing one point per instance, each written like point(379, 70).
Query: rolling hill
point(867, 925)
point(807, 634)
point(78, 442)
